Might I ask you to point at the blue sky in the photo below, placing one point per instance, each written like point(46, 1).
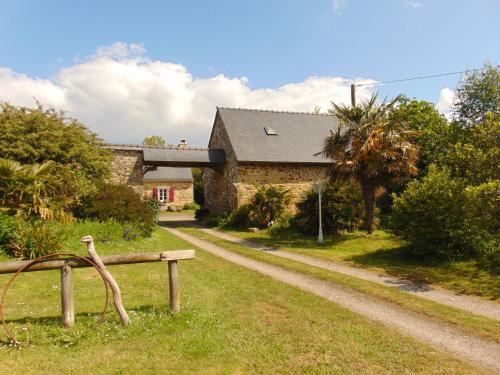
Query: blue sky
point(255, 46)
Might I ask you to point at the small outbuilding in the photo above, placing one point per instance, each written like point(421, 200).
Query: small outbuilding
point(169, 185)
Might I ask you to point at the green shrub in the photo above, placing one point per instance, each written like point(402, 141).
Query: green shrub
point(200, 214)
point(35, 239)
point(240, 218)
point(8, 228)
point(282, 224)
point(267, 205)
point(123, 204)
point(431, 215)
point(204, 217)
point(341, 205)
point(483, 213)
point(191, 206)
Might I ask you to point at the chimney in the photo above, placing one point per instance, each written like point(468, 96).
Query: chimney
point(182, 144)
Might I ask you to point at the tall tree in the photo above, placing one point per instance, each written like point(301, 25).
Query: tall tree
point(38, 135)
point(154, 140)
point(477, 94)
point(434, 133)
point(370, 148)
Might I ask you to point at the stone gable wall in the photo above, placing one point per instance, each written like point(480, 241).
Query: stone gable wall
point(127, 169)
point(219, 191)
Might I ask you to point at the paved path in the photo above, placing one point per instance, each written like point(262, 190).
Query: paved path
point(469, 347)
point(475, 305)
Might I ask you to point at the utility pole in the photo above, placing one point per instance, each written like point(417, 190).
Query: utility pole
point(353, 94)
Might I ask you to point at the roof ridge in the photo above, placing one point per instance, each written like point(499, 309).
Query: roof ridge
point(274, 111)
point(166, 147)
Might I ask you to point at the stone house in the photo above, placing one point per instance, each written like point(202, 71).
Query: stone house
point(265, 147)
point(246, 148)
point(170, 185)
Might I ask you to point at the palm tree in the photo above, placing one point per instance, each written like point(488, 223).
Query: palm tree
point(370, 148)
point(24, 188)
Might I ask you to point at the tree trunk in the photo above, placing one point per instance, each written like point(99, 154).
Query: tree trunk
point(368, 185)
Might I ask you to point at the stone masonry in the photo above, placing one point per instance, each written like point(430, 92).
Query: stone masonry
point(127, 170)
point(234, 184)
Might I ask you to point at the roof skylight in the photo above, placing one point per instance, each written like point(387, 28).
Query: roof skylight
point(269, 130)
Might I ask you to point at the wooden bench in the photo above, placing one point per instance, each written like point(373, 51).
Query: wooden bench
point(66, 266)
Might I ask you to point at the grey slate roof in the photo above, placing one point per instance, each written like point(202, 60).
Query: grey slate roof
point(183, 157)
point(169, 174)
point(299, 136)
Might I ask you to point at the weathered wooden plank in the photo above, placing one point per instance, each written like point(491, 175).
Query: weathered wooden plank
point(11, 267)
point(177, 255)
point(67, 302)
point(173, 287)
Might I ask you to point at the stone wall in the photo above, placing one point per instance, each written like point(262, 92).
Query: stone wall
point(297, 178)
point(127, 169)
point(234, 184)
point(183, 191)
point(219, 191)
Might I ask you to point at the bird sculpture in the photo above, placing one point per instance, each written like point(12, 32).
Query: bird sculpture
point(117, 296)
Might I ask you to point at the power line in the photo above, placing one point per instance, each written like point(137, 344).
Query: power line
point(421, 77)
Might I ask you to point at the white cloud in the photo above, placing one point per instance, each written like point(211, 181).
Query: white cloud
point(121, 50)
point(123, 96)
point(414, 3)
point(338, 5)
point(446, 97)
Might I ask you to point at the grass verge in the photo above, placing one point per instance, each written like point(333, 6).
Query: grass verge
point(474, 324)
point(382, 251)
point(233, 320)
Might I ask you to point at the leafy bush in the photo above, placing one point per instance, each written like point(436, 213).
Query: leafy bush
point(200, 214)
point(37, 135)
point(432, 215)
point(191, 206)
point(342, 207)
point(282, 224)
point(483, 213)
point(124, 205)
point(8, 227)
point(204, 217)
point(198, 189)
point(240, 218)
point(34, 239)
point(267, 205)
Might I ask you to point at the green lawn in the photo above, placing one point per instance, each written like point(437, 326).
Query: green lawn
point(233, 321)
point(382, 251)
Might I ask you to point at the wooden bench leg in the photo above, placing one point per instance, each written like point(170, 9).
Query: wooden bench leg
point(67, 303)
point(173, 287)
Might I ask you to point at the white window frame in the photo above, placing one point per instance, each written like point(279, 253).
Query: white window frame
point(163, 194)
